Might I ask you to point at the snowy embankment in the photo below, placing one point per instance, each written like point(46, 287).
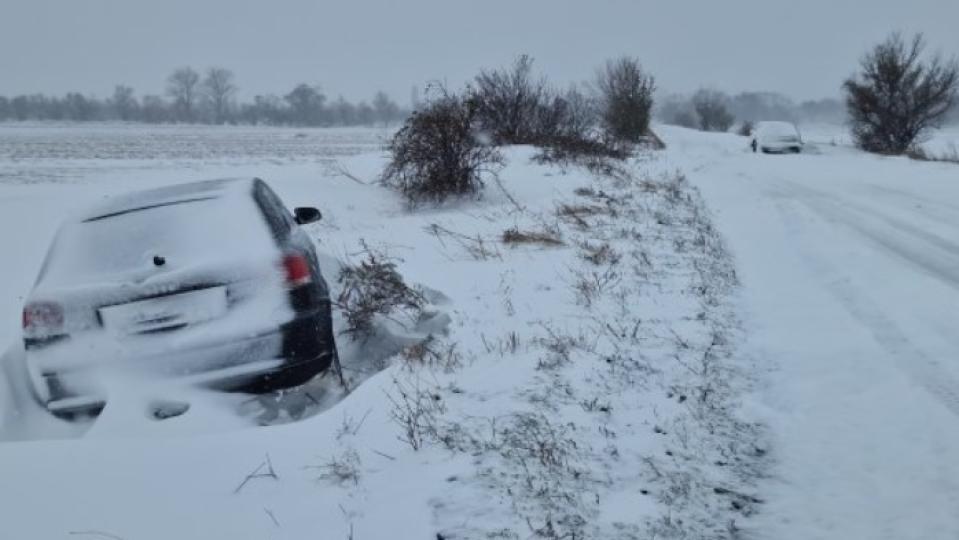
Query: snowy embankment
point(587, 386)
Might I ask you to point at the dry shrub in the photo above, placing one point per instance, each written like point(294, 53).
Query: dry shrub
point(374, 288)
point(437, 153)
point(549, 237)
point(508, 102)
point(602, 254)
point(577, 213)
point(712, 109)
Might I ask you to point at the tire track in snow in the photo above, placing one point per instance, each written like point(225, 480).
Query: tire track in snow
point(911, 359)
point(929, 252)
point(940, 211)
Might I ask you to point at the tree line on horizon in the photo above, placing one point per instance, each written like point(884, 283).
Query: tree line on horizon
point(208, 98)
point(714, 110)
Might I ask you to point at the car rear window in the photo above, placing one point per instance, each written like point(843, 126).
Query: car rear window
point(185, 233)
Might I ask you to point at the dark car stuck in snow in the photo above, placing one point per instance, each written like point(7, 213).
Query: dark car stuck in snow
point(209, 283)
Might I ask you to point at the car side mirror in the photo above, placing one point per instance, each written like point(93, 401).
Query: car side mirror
point(306, 214)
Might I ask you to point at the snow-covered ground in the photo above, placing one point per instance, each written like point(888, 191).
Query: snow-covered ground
point(850, 271)
point(625, 382)
point(586, 385)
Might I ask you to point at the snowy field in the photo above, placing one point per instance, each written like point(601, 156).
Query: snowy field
point(773, 358)
point(63, 153)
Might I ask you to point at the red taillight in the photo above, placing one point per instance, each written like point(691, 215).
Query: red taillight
point(297, 270)
point(42, 318)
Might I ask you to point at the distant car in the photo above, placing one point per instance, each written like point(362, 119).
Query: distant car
point(776, 138)
point(211, 283)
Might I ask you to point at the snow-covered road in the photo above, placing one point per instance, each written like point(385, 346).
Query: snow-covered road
point(850, 270)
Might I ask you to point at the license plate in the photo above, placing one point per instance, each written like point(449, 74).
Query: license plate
point(165, 312)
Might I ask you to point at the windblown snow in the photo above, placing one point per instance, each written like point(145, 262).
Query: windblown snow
point(705, 343)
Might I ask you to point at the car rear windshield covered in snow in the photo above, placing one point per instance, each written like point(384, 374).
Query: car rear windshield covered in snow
point(182, 232)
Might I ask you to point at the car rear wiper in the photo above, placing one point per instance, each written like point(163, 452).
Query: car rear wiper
point(139, 208)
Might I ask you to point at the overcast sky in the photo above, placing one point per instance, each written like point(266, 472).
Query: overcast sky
point(803, 48)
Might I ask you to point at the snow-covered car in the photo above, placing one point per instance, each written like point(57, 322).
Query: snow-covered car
point(776, 137)
point(210, 283)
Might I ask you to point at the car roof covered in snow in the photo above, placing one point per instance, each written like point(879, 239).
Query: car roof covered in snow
point(777, 128)
point(166, 196)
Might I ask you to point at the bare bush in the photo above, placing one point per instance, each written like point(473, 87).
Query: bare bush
point(896, 98)
point(589, 286)
point(515, 107)
point(625, 99)
point(416, 411)
point(437, 155)
point(374, 288)
point(600, 255)
point(712, 109)
point(509, 102)
point(746, 128)
point(580, 113)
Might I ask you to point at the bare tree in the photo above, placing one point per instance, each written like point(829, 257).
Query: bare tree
point(219, 88)
point(154, 110)
point(625, 95)
point(123, 102)
point(712, 109)
point(385, 110)
point(508, 100)
point(78, 107)
point(182, 87)
point(306, 105)
point(896, 98)
point(343, 112)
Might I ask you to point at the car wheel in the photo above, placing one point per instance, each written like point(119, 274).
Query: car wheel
point(87, 415)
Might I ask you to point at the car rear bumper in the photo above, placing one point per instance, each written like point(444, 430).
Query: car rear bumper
point(781, 148)
point(223, 377)
point(64, 387)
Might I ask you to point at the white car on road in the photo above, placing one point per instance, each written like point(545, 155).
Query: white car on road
point(776, 138)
